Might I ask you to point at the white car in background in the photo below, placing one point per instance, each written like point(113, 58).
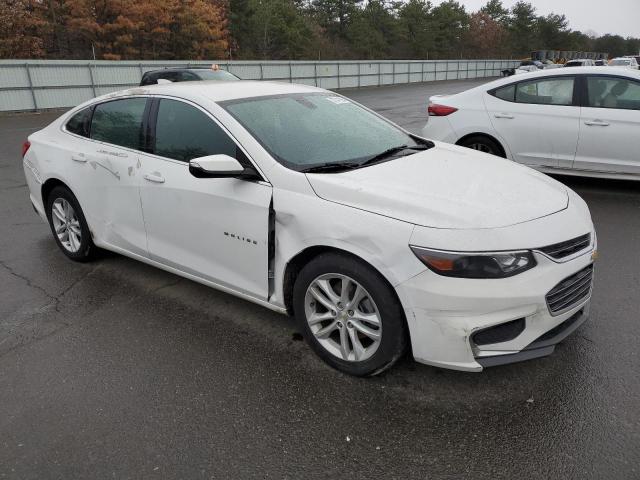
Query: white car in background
point(578, 121)
point(624, 62)
point(302, 201)
point(580, 62)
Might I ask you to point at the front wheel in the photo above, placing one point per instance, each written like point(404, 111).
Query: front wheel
point(349, 315)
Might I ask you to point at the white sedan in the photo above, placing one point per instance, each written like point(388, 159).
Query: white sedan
point(302, 201)
point(577, 121)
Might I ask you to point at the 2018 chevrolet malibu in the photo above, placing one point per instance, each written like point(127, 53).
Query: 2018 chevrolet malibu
point(305, 202)
point(574, 121)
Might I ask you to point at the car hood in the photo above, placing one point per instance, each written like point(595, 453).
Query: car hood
point(446, 187)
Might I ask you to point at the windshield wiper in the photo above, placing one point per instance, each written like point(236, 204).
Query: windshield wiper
point(331, 167)
point(393, 150)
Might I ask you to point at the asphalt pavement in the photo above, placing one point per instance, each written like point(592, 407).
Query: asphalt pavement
point(115, 369)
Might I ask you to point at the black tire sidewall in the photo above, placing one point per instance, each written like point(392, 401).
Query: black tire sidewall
point(87, 248)
point(394, 332)
point(492, 144)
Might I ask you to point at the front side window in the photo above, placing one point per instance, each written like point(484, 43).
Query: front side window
point(311, 129)
point(184, 132)
point(119, 122)
point(80, 122)
point(613, 92)
point(554, 91)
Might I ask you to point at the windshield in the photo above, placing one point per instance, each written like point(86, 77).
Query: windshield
point(313, 129)
point(621, 61)
point(216, 75)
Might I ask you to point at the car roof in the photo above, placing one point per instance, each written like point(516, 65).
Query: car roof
point(591, 70)
point(552, 72)
point(173, 69)
point(216, 90)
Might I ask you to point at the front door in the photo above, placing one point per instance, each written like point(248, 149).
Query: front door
point(538, 120)
point(609, 126)
point(214, 228)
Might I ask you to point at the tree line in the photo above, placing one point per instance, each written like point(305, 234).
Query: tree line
point(287, 29)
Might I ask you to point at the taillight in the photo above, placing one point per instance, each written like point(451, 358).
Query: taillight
point(25, 148)
point(436, 110)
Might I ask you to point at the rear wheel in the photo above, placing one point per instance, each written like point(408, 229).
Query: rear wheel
point(349, 315)
point(483, 144)
point(69, 226)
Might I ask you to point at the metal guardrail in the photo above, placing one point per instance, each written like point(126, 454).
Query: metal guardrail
point(45, 84)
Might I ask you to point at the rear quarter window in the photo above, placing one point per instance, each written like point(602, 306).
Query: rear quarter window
point(505, 93)
point(80, 122)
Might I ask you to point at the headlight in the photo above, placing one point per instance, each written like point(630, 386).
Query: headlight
point(476, 264)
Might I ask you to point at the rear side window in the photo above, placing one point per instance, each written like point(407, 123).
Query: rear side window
point(554, 91)
point(505, 93)
point(119, 122)
point(184, 132)
point(613, 92)
point(80, 122)
point(149, 79)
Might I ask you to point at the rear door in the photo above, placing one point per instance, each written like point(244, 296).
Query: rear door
point(111, 171)
point(609, 125)
point(538, 119)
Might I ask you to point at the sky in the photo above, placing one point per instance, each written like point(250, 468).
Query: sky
point(620, 17)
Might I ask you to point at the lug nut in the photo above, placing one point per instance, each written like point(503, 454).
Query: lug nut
point(350, 312)
point(339, 324)
point(349, 325)
point(333, 313)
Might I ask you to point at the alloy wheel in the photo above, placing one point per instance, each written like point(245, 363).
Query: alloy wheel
point(66, 225)
point(481, 147)
point(343, 317)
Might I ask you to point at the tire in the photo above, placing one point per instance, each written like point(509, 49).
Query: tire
point(483, 144)
point(369, 299)
point(64, 213)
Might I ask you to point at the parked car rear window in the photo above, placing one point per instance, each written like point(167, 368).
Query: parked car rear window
point(554, 91)
point(221, 75)
point(613, 92)
point(119, 122)
point(80, 122)
point(184, 132)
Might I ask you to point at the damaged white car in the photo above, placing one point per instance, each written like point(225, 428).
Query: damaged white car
point(298, 199)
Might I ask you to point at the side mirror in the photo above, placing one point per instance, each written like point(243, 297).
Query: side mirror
point(221, 166)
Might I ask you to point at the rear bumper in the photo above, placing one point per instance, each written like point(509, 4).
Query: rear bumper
point(440, 129)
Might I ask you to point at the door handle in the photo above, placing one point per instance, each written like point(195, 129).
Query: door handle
point(79, 157)
point(596, 123)
point(504, 115)
point(154, 177)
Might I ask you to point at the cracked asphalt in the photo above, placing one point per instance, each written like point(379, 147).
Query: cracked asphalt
point(116, 369)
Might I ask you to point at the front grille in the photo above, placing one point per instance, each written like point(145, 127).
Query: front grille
point(568, 247)
point(570, 291)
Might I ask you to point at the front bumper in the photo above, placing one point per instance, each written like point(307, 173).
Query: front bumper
point(443, 314)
